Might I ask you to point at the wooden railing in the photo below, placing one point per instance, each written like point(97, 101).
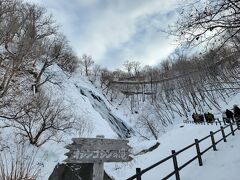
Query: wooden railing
point(199, 153)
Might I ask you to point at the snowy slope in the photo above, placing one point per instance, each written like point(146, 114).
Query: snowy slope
point(221, 165)
point(88, 103)
point(177, 139)
point(101, 117)
point(89, 106)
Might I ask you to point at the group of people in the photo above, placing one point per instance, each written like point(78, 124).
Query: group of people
point(228, 116)
point(209, 117)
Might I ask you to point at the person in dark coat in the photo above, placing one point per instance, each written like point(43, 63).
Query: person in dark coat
point(195, 117)
point(209, 117)
point(206, 117)
point(236, 113)
point(229, 115)
point(201, 118)
point(224, 117)
point(212, 116)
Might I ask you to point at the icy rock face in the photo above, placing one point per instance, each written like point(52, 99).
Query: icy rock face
point(87, 103)
point(117, 124)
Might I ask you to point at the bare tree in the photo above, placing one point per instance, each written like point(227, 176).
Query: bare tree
point(215, 21)
point(96, 71)
point(105, 79)
point(68, 61)
point(29, 43)
point(20, 162)
point(87, 62)
point(23, 28)
point(136, 67)
point(148, 126)
point(128, 65)
point(39, 119)
point(53, 51)
point(83, 127)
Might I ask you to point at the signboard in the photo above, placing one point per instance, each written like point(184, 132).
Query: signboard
point(91, 150)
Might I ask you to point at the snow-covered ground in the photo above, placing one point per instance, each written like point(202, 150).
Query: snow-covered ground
point(88, 104)
point(76, 93)
point(221, 164)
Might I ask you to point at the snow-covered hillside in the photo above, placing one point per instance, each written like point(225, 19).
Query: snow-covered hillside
point(88, 103)
point(52, 92)
point(218, 165)
point(96, 115)
point(222, 164)
point(91, 109)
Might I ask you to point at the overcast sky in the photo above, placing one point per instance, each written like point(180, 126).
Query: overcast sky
point(113, 31)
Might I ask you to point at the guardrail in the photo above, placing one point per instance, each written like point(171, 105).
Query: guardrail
point(199, 153)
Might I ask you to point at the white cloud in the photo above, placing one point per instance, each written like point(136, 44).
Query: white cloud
point(127, 28)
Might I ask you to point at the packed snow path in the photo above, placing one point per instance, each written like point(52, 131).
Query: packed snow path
point(222, 164)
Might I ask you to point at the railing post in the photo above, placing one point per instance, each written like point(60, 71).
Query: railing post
point(138, 170)
point(213, 141)
point(231, 126)
point(223, 134)
point(198, 152)
point(175, 164)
